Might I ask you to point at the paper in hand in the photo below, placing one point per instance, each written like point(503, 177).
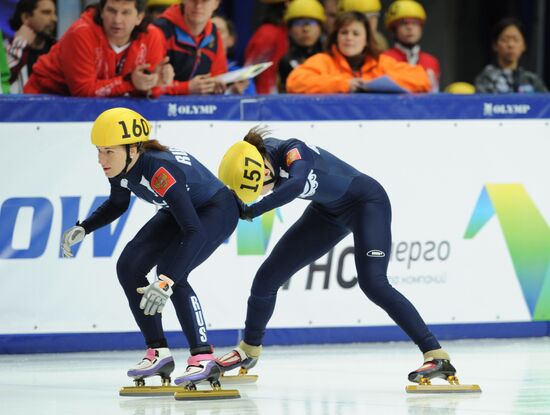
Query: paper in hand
point(248, 72)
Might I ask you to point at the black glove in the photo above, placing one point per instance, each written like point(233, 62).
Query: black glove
point(245, 211)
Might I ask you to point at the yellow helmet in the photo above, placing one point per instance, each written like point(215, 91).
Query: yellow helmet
point(119, 126)
point(462, 88)
point(403, 9)
point(305, 9)
point(165, 3)
point(362, 6)
point(242, 169)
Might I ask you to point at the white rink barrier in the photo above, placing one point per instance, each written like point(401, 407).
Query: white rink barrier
point(471, 245)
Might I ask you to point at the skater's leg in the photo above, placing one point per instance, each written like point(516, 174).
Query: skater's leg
point(138, 258)
point(371, 225)
point(312, 236)
point(219, 218)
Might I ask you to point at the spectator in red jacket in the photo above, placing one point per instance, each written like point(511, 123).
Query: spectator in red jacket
point(405, 19)
point(34, 23)
point(107, 52)
point(268, 44)
point(194, 46)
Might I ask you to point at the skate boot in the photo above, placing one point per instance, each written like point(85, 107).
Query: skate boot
point(244, 356)
point(200, 368)
point(156, 362)
point(437, 364)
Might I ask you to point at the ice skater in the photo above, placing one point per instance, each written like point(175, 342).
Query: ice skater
point(196, 214)
point(343, 200)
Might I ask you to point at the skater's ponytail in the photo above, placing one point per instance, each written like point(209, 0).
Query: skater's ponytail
point(152, 145)
point(256, 137)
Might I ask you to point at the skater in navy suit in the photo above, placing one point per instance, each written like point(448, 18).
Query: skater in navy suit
point(343, 201)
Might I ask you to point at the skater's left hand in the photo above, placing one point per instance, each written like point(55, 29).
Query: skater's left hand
point(155, 295)
point(245, 211)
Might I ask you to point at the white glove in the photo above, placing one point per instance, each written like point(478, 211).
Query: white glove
point(155, 295)
point(71, 236)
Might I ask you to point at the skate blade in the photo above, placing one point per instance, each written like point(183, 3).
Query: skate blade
point(238, 379)
point(196, 395)
point(150, 390)
point(443, 389)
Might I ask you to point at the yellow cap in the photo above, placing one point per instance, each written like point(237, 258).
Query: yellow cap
point(404, 9)
point(361, 6)
point(462, 88)
point(299, 9)
point(165, 3)
point(242, 169)
point(119, 126)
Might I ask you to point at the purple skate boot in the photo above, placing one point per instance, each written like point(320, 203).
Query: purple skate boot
point(157, 362)
point(200, 368)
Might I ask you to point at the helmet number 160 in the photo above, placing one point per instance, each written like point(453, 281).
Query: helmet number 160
point(138, 128)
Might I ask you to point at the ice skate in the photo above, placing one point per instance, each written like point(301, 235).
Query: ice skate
point(157, 362)
point(245, 357)
point(437, 364)
point(202, 368)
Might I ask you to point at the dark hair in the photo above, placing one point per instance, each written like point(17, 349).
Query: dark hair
point(274, 13)
point(255, 136)
point(502, 24)
point(22, 6)
point(151, 145)
point(140, 7)
point(344, 19)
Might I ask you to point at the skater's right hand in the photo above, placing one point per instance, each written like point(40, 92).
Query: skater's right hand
point(155, 295)
point(71, 237)
point(245, 212)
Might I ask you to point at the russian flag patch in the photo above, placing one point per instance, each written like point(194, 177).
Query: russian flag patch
point(162, 181)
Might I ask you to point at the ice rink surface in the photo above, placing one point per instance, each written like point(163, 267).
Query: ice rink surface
point(354, 379)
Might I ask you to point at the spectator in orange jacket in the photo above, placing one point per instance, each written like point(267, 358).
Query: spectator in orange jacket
point(352, 58)
point(108, 52)
point(194, 46)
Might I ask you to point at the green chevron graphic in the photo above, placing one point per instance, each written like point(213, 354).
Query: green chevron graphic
point(253, 237)
point(527, 236)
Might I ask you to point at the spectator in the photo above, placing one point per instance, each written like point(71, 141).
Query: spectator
point(331, 11)
point(506, 75)
point(34, 23)
point(371, 9)
point(268, 44)
point(4, 69)
point(304, 19)
point(108, 52)
point(226, 29)
point(352, 59)
point(194, 47)
point(405, 20)
point(156, 7)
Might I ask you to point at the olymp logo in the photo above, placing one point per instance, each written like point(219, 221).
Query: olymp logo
point(174, 110)
point(490, 109)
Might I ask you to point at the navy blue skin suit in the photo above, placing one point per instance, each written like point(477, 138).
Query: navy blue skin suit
point(197, 213)
point(343, 200)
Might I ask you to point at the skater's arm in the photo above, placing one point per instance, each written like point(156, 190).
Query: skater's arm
point(288, 191)
point(110, 210)
point(170, 183)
